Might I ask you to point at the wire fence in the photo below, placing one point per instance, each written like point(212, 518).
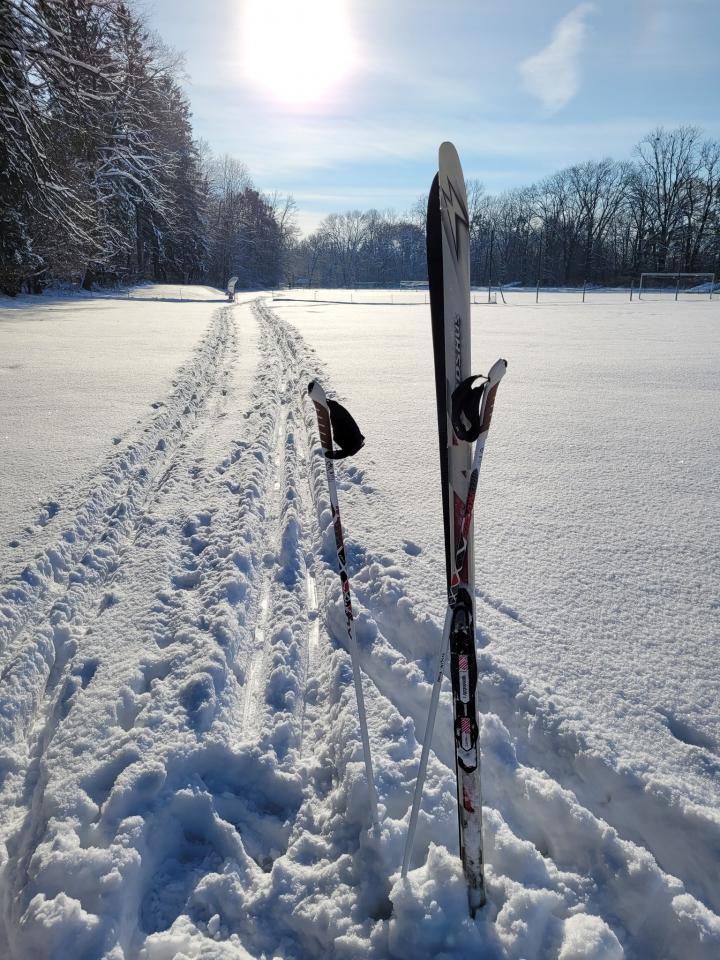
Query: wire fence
point(498, 295)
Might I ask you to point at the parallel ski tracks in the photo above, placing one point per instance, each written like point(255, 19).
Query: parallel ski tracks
point(62, 591)
point(287, 633)
point(280, 666)
point(69, 586)
point(112, 512)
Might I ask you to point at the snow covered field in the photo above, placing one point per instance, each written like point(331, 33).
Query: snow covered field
point(180, 763)
point(75, 374)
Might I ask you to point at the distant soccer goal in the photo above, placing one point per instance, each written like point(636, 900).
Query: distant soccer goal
point(676, 285)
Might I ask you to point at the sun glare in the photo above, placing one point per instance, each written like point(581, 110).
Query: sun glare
point(297, 51)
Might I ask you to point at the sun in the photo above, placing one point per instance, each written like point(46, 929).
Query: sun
point(297, 51)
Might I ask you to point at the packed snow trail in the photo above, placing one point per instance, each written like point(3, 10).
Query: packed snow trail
point(181, 760)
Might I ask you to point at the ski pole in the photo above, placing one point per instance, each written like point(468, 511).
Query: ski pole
point(429, 728)
point(350, 441)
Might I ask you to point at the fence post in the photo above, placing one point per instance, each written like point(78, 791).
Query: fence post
point(584, 288)
point(490, 261)
point(632, 284)
point(539, 270)
point(677, 288)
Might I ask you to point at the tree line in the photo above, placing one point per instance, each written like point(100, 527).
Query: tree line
point(101, 179)
point(103, 182)
point(600, 221)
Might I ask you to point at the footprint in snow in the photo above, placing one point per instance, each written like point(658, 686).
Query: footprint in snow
point(49, 511)
point(411, 549)
point(109, 600)
point(686, 733)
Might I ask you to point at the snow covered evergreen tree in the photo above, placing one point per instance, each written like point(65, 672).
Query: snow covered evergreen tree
point(100, 178)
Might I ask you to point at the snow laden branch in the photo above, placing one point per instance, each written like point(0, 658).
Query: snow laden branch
point(94, 131)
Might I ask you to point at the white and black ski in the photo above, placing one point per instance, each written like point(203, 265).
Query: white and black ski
point(464, 409)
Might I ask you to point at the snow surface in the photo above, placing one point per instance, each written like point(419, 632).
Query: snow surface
point(180, 763)
point(76, 375)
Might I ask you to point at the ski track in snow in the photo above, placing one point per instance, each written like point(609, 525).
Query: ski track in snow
point(181, 768)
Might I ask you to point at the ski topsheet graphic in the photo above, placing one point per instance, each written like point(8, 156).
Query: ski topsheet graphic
point(464, 409)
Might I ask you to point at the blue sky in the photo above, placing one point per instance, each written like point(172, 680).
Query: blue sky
point(343, 102)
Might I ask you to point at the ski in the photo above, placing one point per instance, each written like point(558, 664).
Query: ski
point(464, 410)
point(340, 437)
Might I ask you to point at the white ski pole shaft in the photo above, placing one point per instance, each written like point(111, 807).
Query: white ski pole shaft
point(427, 741)
point(352, 642)
point(317, 395)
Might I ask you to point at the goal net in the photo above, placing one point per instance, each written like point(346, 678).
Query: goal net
point(676, 286)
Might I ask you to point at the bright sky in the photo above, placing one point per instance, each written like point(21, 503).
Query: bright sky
point(343, 102)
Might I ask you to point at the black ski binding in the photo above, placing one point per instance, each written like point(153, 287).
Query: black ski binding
point(466, 400)
point(471, 406)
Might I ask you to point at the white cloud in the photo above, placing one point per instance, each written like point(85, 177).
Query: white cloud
point(278, 150)
point(553, 74)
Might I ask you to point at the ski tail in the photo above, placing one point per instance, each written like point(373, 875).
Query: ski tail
point(474, 418)
point(472, 406)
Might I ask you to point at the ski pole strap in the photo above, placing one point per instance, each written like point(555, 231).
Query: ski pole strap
point(346, 432)
point(336, 425)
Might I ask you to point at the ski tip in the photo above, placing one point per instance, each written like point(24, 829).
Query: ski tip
point(497, 371)
point(448, 154)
